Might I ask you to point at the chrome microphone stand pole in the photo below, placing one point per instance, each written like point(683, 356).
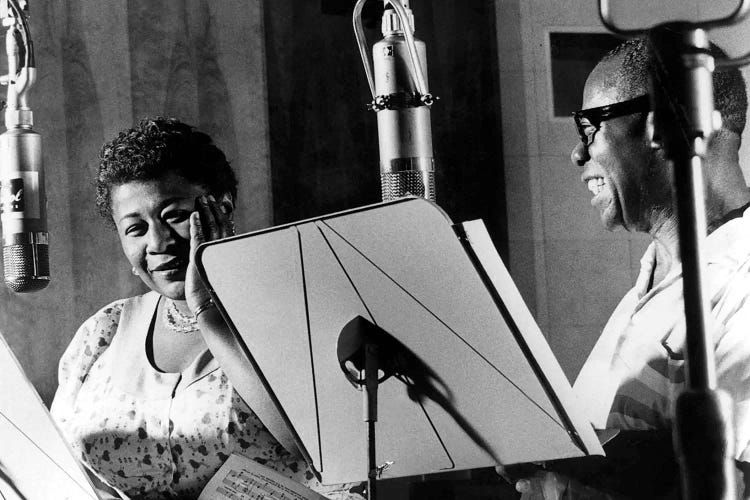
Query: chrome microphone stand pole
point(684, 119)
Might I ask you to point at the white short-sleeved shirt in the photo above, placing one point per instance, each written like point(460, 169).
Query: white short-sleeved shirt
point(636, 370)
point(151, 434)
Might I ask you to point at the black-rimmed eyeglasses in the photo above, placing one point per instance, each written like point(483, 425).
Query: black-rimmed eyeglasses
point(589, 120)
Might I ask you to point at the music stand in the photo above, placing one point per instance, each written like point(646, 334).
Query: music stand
point(36, 463)
point(442, 292)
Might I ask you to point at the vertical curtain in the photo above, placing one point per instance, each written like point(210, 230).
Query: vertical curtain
point(102, 66)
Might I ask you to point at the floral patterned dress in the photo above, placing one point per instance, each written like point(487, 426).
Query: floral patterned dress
point(151, 434)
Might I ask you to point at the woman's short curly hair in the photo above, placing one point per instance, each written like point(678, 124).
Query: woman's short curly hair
point(154, 147)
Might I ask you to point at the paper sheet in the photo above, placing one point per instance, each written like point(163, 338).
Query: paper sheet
point(35, 461)
point(241, 478)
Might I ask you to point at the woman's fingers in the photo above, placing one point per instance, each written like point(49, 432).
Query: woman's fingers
point(208, 219)
point(216, 218)
point(195, 293)
point(221, 216)
point(196, 232)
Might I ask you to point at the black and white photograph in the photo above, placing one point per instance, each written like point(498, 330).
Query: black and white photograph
point(375, 250)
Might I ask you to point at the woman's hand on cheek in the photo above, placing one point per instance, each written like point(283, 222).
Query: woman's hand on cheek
point(195, 292)
point(211, 221)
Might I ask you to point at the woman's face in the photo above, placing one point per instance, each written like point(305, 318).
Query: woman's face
point(153, 223)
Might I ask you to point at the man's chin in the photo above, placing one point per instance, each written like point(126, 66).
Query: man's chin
point(612, 220)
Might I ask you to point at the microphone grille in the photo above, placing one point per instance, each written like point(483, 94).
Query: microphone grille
point(26, 270)
point(408, 182)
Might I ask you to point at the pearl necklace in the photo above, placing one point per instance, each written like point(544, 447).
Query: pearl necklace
point(176, 321)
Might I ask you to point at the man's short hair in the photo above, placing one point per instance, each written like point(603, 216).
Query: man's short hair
point(636, 60)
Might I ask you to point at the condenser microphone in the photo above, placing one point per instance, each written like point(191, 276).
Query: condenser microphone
point(23, 211)
point(402, 102)
point(23, 204)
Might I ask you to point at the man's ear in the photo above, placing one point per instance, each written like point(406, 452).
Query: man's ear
point(651, 134)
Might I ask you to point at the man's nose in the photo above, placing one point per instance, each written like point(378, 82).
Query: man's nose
point(580, 155)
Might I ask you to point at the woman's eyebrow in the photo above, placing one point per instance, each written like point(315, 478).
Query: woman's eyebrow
point(160, 207)
point(126, 216)
point(173, 199)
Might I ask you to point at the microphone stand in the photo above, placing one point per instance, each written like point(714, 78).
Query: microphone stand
point(364, 351)
point(684, 119)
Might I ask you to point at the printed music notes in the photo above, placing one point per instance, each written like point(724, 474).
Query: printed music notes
point(241, 478)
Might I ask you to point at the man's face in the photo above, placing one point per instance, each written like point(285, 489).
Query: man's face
point(620, 169)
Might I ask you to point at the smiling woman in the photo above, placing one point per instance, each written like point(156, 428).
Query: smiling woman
point(141, 398)
point(152, 218)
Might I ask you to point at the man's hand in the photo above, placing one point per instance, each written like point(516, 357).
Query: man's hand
point(533, 482)
point(543, 485)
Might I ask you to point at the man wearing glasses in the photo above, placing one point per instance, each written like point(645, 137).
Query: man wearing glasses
point(636, 370)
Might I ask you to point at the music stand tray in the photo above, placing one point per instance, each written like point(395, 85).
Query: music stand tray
point(439, 289)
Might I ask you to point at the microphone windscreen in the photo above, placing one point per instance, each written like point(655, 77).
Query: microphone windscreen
point(418, 183)
point(26, 267)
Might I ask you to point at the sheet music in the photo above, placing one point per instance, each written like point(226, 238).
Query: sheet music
point(485, 251)
point(35, 461)
point(241, 478)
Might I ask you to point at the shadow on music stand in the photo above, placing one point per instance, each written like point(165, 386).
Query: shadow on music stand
point(364, 352)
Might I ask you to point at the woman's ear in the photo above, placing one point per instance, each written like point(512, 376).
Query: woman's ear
point(227, 203)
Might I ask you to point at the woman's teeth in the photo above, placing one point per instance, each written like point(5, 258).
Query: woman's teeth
point(596, 185)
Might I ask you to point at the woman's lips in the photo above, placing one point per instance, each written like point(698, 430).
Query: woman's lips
point(170, 266)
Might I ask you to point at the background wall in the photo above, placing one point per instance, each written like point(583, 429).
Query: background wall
point(571, 271)
point(102, 66)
